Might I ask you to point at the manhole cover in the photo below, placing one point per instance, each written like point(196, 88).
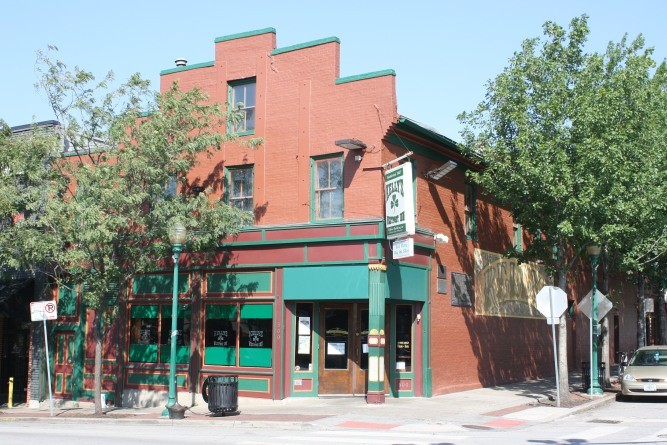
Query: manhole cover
point(604, 421)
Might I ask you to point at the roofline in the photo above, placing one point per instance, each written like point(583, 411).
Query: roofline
point(242, 35)
point(412, 126)
point(298, 46)
point(49, 123)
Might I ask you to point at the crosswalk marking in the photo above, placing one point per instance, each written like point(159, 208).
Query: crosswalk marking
point(365, 437)
point(593, 433)
point(658, 435)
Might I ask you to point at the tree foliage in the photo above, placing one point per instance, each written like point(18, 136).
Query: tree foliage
point(572, 142)
point(105, 207)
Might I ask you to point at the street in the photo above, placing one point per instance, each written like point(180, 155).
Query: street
point(641, 422)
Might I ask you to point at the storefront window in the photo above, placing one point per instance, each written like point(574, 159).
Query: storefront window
point(240, 334)
point(303, 357)
point(404, 338)
point(150, 333)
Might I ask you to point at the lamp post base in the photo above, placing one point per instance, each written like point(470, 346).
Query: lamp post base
point(174, 411)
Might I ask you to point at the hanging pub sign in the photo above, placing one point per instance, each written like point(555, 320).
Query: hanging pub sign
point(399, 205)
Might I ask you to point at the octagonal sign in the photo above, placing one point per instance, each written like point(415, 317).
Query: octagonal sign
point(551, 301)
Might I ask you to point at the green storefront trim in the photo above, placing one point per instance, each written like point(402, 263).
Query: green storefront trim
point(341, 282)
point(238, 282)
point(159, 284)
point(255, 385)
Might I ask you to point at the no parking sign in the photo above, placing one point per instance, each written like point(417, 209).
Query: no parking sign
point(43, 310)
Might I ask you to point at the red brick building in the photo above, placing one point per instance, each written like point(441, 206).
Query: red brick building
point(311, 300)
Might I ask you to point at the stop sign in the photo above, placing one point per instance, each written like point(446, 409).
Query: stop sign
point(551, 301)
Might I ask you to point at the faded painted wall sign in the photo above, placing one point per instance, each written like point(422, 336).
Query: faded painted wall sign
point(505, 288)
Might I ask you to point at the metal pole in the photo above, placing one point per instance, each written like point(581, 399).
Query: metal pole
point(48, 367)
point(553, 336)
point(595, 382)
point(171, 401)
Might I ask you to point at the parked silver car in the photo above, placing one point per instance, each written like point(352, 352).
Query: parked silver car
point(646, 374)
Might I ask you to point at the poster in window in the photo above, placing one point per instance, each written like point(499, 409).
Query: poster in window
point(256, 339)
point(335, 348)
point(220, 338)
point(304, 325)
point(145, 335)
point(304, 345)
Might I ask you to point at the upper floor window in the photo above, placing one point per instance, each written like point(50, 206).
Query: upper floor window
point(328, 188)
point(240, 187)
point(518, 237)
point(471, 211)
point(242, 98)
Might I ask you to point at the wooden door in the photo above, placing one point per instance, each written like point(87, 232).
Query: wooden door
point(343, 351)
point(62, 364)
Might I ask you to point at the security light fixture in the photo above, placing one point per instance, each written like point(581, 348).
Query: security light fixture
point(441, 171)
point(351, 144)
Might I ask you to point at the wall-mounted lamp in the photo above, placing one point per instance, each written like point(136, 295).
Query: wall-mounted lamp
point(441, 171)
point(441, 238)
point(351, 144)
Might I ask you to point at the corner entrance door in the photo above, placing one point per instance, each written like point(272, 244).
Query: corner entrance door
point(62, 365)
point(343, 349)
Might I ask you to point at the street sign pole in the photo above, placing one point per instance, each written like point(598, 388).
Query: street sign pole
point(48, 367)
point(553, 336)
point(551, 302)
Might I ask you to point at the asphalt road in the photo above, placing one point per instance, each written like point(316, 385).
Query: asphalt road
point(640, 422)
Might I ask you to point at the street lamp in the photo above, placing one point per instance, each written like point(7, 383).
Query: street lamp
point(594, 251)
point(177, 235)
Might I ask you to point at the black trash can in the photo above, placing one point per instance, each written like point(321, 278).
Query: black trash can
point(221, 392)
point(585, 376)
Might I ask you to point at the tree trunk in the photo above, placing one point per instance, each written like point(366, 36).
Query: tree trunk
point(97, 385)
point(563, 377)
point(661, 317)
point(641, 315)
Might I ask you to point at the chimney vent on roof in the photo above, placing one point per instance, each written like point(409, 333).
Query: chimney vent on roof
point(181, 62)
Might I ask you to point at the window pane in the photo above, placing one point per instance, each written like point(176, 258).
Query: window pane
point(404, 338)
point(250, 119)
point(303, 358)
point(337, 203)
point(324, 204)
point(256, 334)
point(336, 338)
point(220, 335)
point(336, 173)
point(249, 98)
point(143, 331)
point(322, 174)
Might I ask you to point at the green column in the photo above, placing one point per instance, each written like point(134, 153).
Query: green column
point(376, 335)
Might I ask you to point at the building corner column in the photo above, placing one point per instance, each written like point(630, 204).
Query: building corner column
point(376, 335)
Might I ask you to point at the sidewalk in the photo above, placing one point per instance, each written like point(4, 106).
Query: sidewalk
point(485, 408)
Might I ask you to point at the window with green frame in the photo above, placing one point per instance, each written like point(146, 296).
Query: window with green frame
point(239, 335)
point(328, 188)
point(471, 211)
point(518, 237)
point(67, 300)
point(242, 99)
point(239, 187)
point(150, 333)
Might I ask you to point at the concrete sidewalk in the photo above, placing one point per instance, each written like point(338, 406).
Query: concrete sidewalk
point(505, 406)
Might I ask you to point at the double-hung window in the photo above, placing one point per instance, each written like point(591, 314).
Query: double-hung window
point(240, 187)
point(328, 188)
point(242, 101)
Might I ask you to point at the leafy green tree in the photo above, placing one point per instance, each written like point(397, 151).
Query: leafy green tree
point(114, 196)
point(563, 135)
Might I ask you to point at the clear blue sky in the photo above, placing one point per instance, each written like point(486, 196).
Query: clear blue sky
point(443, 51)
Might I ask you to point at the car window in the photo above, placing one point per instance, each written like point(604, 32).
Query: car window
point(650, 357)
